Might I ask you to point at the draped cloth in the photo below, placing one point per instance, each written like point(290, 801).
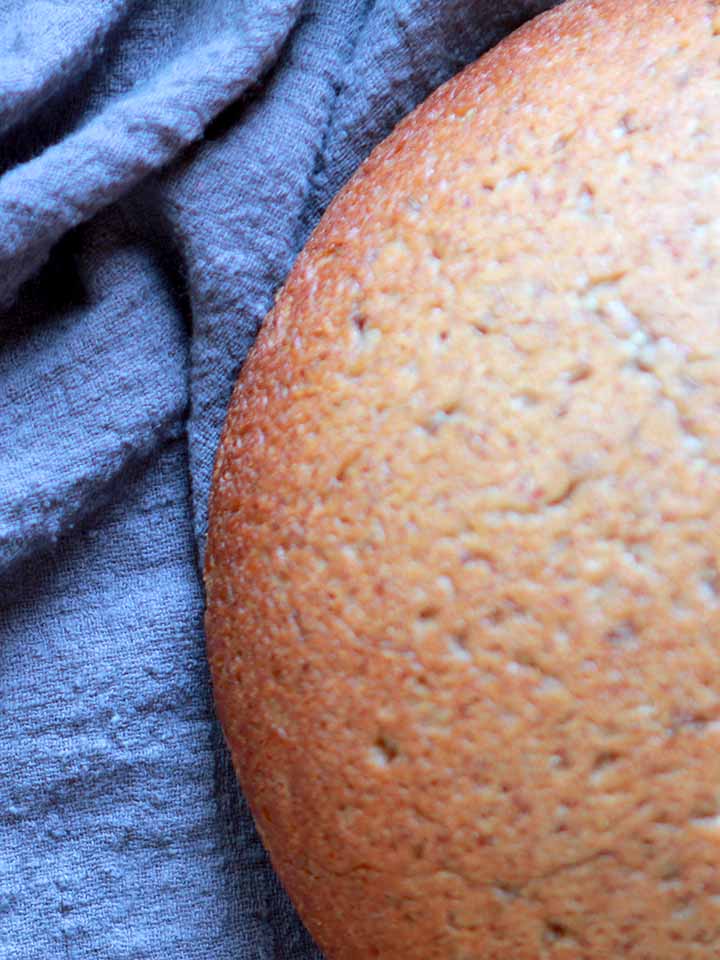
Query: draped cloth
point(161, 164)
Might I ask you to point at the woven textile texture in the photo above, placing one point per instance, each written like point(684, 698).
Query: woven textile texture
point(161, 164)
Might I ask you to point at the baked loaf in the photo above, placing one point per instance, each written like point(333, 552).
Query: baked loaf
point(462, 575)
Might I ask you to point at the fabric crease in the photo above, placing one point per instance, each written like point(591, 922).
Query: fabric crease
point(161, 165)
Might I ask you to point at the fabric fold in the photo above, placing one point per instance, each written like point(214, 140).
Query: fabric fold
point(163, 163)
point(133, 136)
point(44, 45)
point(71, 425)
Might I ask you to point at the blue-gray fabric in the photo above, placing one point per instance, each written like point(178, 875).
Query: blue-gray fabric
point(161, 164)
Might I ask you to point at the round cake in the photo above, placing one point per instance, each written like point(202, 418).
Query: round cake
point(463, 574)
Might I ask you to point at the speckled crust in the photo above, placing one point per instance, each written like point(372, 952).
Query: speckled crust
point(463, 589)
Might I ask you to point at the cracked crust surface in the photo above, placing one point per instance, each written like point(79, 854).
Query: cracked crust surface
point(463, 590)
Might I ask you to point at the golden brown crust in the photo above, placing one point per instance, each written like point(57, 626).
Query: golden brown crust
point(462, 574)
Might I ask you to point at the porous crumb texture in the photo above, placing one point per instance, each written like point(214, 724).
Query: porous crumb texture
point(463, 585)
